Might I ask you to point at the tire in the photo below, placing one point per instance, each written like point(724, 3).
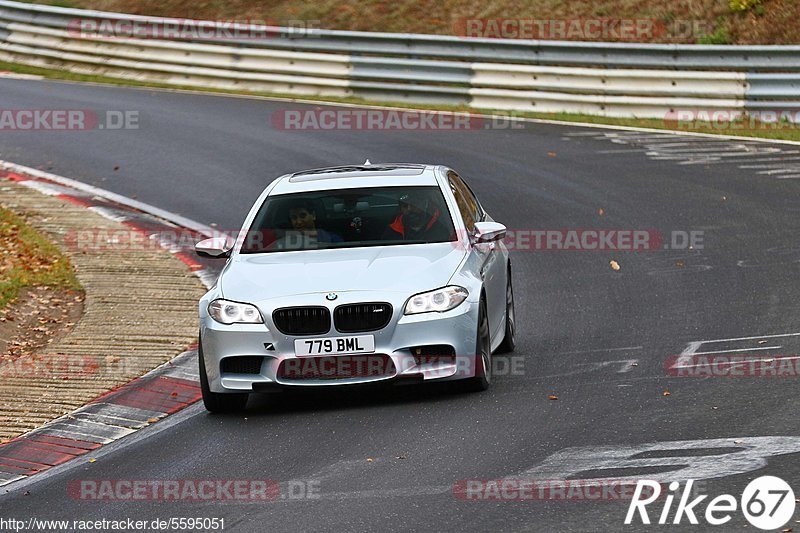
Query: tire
point(483, 354)
point(509, 339)
point(215, 402)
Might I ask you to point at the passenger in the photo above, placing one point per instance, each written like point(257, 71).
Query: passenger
point(304, 233)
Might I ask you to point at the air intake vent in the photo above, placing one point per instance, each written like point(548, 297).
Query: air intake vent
point(250, 364)
point(353, 318)
point(302, 320)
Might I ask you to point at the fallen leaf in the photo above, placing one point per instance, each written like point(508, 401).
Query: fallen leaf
point(552, 397)
point(666, 393)
point(679, 264)
point(551, 154)
point(369, 459)
point(92, 460)
point(151, 420)
point(174, 394)
point(614, 265)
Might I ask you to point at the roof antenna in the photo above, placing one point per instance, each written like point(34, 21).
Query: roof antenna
point(367, 162)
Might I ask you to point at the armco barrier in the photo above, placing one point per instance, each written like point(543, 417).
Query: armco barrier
point(609, 79)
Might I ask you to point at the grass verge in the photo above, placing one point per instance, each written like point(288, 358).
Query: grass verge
point(28, 259)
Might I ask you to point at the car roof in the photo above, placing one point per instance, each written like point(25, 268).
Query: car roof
point(356, 176)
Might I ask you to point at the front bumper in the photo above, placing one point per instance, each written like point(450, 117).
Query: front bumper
point(397, 341)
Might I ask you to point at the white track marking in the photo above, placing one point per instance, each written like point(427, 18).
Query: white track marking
point(625, 365)
point(685, 150)
point(745, 361)
point(686, 356)
point(738, 455)
point(602, 350)
point(6, 74)
point(751, 453)
point(740, 350)
point(756, 337)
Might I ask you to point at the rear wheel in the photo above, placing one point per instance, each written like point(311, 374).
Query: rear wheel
point(483, 354)
point(216, 402)
point(509, 340)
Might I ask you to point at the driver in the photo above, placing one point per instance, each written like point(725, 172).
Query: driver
point(416, 219)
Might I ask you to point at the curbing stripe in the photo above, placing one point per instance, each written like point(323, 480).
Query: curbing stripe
point(153, 396)
point(105, 204)
point(91, 190)
point(134, 405)
point(75, 435)
point(87, 446)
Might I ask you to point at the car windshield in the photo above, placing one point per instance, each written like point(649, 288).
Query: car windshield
point(345, 218)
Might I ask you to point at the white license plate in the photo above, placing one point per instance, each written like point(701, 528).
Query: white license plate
point(335, 345)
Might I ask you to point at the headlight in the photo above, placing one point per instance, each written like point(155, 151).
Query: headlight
point(227, 312)
point(439, 300)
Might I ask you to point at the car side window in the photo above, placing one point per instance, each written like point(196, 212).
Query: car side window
point(470, 208)
point(480, 214)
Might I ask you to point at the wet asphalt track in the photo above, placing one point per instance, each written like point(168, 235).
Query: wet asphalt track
point(580, 322)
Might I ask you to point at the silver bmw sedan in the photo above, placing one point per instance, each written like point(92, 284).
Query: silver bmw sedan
point(357, 274)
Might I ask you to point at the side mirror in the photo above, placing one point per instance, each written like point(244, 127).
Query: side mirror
point(214, 247)
point(488, 232)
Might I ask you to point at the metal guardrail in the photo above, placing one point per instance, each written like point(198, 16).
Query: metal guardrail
point(612, 79)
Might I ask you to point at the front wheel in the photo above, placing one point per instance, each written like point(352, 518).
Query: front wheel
point(509, 340)
point(216, 402)
point(483, 354)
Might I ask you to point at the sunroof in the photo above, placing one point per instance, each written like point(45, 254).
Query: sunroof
point(356, 171)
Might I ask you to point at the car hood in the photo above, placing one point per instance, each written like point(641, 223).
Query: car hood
point(407, 268)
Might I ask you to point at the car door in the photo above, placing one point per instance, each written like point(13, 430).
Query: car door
point(493, 272)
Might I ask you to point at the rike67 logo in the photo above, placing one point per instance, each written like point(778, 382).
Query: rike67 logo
point(678, 493)
point(768, 503)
